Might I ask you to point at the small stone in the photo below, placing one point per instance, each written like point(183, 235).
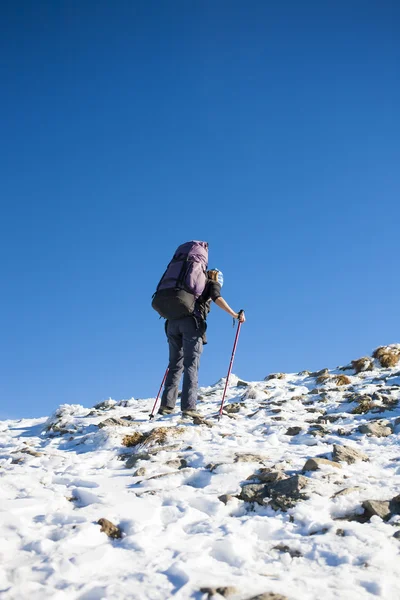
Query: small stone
point(254, 492)
point(249, 458)
point(110, 529)
point(346, 491)
point(132, 460)
point(377, 507)
point(133, 439)
point(177, 463)
point(284, 548)
point(140, 472)
point(275, 376)
point(362, 364)
point(241, 383)
point(377, 428)
point(319, 373)
point(225, 592)
point(115, 422)
point(313, 464)
point(225, 498)
point(397, 535)
point(267, 476)
point(233, 408)
point(340, 532)
point(347, 454)
point(293, 430)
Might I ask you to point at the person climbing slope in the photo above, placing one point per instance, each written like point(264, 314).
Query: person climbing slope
point(184, 297)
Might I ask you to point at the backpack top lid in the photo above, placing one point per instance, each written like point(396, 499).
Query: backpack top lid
point(193, 250)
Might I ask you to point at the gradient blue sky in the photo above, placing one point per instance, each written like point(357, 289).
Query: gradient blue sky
point(269, 129)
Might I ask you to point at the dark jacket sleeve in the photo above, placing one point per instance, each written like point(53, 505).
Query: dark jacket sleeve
point(214, 290)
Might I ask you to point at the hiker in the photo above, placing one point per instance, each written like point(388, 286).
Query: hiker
point(186, 327)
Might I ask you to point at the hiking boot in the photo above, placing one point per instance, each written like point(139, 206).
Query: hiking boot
point(165, 410)
point(190, 413)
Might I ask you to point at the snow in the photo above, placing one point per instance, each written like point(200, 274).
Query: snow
point(59, 476)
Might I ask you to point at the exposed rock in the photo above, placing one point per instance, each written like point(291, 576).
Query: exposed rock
point(377, 507)
point(315, 391)
point(304, 373)
point(388, 356)
point(283, 548)
point(212, 466)
point(293, 430)
point(233, 408)
point(251, 393)
point(115, 422)
point(319, 373)
point(133, 439)
point(362, 364)
point(202, 421)
point(313, 464)
point(159, 435)
point(161, 475)
point(275, 376)
point(377, 428)
point(267, 475)
point(249, 458)
point(254, 492)
point(225, 592)
point(27, 450)
point(110, 529)
point(177, 463)
point(225, 498)
point(397, 535)
point(346, 491)
point(132, 460)
point(347, 454)
point(365, 404)
point(241, 383)
point(141, 472)
point(281, 495)
point(105, 405)
point(342, 380)
point(292, 486)
point(321, 379)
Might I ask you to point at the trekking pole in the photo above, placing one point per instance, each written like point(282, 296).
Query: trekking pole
point(158, 395)
point(230, 367)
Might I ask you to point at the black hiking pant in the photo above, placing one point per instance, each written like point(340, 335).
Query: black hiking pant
point(185, 348)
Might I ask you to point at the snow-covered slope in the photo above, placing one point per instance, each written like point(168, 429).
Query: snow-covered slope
point(232, 508)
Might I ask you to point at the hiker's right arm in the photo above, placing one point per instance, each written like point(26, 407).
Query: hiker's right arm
point(225, 306)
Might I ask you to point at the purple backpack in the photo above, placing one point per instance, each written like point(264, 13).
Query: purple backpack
point(183, 281)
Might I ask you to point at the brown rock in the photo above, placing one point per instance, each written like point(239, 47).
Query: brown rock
point(362, 364)
point(115, 422)
point(225, 592)
point(313, 464)
point(249, 458)
point(346, 491)
point(342, 380)
point(225, 498)
point(133, 439)
point(347, 454)
point(377, 507)
point(377, 428)
point(110, 529)
point(293, 430)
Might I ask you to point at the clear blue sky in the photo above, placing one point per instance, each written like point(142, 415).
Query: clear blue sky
point(269, 129)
